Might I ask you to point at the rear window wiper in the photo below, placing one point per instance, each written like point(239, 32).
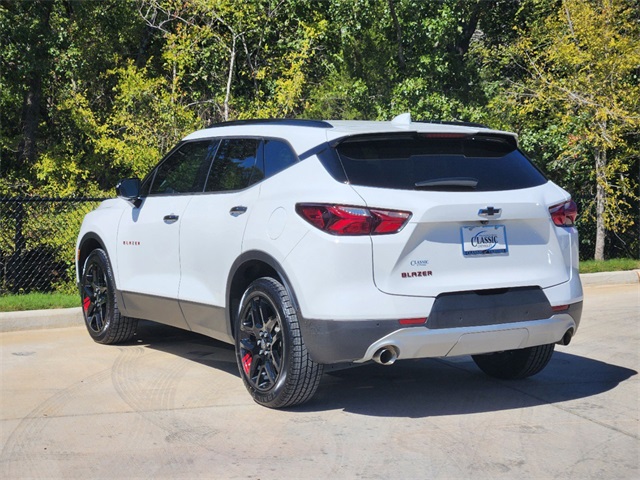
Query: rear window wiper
point(464, 182)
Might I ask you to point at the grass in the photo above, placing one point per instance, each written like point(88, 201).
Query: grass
point(614, 265)
point(38, 301)
point(42, 301)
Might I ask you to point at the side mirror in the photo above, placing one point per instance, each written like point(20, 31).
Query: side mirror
point(129, 189)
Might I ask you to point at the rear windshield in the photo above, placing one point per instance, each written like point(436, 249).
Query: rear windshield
point(422, 162)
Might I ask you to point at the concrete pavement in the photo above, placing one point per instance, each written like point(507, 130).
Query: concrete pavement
point(171, 406)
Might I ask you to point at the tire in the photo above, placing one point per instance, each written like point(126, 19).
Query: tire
point(515, 364)
point(98, 293)
point(272, 358)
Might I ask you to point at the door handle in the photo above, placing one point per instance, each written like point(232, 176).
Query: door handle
point(171, 218)
point(237, 211)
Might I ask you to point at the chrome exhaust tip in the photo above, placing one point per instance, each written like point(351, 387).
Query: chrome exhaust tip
point(386, 355)
point(566, 338)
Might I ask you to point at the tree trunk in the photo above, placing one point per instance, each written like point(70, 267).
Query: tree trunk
point(401, 60)
point(38, 60)
point(601, 233)
point(232, 61)
point(27, 151)
point(462, 43)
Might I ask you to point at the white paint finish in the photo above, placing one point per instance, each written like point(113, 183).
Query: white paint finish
point(277, 223)
point(539, 253)
point(147, 246)
point(210, 241)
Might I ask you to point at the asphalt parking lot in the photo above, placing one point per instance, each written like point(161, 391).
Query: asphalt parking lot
point(171, 405)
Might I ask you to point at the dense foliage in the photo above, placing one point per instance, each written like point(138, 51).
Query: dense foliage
point(94, 91)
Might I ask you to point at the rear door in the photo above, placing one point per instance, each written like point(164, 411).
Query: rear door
point(480, 216)
point(212, 231)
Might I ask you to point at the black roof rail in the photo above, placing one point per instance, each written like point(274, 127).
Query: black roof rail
point(294, 122)
point(459, 124)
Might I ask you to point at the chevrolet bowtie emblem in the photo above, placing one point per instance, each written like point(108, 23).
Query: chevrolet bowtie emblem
point(489, 212)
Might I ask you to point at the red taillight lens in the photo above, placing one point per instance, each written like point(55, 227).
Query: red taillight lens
point(312, 214)
point(350, 220)
point(389, 221)
point(564, 214)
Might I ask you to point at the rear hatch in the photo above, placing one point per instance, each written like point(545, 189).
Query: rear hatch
point(480, 212)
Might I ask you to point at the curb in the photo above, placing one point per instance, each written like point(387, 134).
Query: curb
point(41, 319)
point(610, 278)
point(72, 317)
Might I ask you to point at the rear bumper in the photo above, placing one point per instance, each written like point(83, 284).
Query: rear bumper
point(357, 341)
point(415, 343)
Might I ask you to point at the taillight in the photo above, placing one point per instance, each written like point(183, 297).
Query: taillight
point(564, 214)
point(350, 220)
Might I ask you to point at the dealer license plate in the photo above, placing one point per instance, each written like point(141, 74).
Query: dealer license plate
point(484, 240)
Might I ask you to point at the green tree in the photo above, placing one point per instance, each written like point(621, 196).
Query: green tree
point(54, 90)
point(577, 85)
point(25, 58)
point(149, 115)
point(238, 59)
point(383, 58)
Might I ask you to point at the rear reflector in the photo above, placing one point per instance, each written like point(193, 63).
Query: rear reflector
point(564, 214)
point(412, 321)
point(560, 308)
point(351, 220)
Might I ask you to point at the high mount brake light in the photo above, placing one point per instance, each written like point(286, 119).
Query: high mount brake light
point(444, 135)
point(351, 220)
point(564, 214)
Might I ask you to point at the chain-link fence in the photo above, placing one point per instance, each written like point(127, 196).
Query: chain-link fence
point(37, 242)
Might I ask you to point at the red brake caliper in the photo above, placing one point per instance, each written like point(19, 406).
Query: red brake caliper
point(86, 303)
point(246, 362)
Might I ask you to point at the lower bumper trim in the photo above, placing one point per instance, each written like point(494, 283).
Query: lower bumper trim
point(332, 342)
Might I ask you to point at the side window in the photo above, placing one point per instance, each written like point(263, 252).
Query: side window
point(234, 167)
point(277, 156)
point(185, 170)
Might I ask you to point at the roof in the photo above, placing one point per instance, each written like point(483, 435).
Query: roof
point(305, 134)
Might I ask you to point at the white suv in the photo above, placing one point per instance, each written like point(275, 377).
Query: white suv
point(307, 243)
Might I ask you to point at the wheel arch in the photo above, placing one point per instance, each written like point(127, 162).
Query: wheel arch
point(248, 267)
point(89, 242)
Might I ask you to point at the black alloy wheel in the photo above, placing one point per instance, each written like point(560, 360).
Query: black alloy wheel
point(272, 358)
point(99, 305)
point(261, 345)
point(94, 301)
